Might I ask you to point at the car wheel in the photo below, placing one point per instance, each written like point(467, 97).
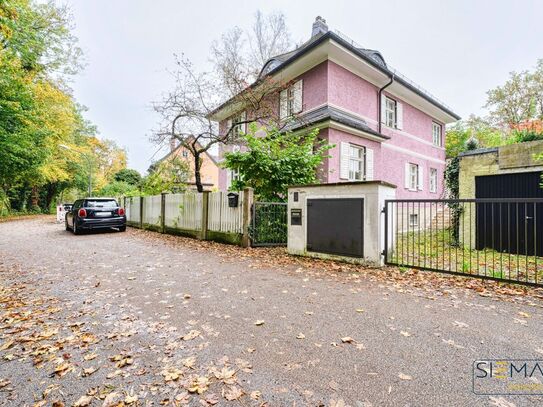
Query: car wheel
point(75, 229)
point(122, 229)
point(66, 224)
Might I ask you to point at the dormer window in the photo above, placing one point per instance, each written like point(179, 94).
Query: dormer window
point(290, 100)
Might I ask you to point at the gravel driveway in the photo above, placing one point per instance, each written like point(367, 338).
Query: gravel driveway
point(138, 318)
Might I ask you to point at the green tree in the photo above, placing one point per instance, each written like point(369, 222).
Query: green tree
point(128, 175)
point(277, 160)
point(519, 99)
point(166, 176)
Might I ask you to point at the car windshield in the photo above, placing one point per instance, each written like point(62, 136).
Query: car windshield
point(101, 203)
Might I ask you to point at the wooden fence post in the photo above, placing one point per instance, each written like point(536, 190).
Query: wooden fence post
point(205, 215)
point(163, 212)
point(141, 212)
point(247, 205)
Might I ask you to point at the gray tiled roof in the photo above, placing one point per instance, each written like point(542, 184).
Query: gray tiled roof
point(325, 113)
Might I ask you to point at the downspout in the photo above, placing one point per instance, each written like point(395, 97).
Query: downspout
point(379, 101)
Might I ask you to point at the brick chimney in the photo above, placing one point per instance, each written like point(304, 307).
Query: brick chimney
point(173, 143)
point(319, 26)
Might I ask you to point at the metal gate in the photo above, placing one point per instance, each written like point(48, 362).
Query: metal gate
point(498, 239)
point(268, 224)
point(335, 226)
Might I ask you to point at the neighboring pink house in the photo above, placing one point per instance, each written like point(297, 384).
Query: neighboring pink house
point(384, 127)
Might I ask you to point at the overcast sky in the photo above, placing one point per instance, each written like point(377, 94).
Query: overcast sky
point(455, 49)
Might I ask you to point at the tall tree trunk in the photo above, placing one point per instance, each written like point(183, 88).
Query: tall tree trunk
point(197, 176)
point(34, 197)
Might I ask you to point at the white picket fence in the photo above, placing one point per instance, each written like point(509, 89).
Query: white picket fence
point(184, 212)
point(152, 210)
point(222, 218)
point(132, 208)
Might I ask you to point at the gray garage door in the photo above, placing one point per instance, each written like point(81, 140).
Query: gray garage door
point(335, 226)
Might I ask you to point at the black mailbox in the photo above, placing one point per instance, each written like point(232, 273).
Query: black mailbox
point(295, 216)
point(233, 199)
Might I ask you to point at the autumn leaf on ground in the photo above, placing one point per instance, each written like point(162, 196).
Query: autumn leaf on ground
point(226, 375)
point(405, 376)
point(130, 399)
point(211, 399)
point(232, 393)
point(524, 314)
point(62, 369)
point(359, 310)
point(189, 362)
point(347, 339)
point(191, 335)
point(171, 374)
point(460, 324)
point(4, 383)
point(88, 371)
point(255, 395)
point(300, 336)
point(90, 356)
point(198, 384)
point(7, 344)
point(259, 322)
point(244, 365)
point(83, 401)
point(405, 333)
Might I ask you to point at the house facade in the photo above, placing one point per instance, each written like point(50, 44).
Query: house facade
point(209, 170)
point(383, 126)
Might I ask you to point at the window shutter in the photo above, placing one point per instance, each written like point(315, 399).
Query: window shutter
point(283, 104)
point(369, 164)
point(228, 179)
point(383, 108)
point(297, 90)
point(344, 160)
point(399, 115)
point(228, 126)
point(407, 183)
point(420, 177)
point(243, 117)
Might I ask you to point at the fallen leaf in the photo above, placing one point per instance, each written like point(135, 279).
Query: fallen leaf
point(211, 399)
point(191, 335)
point(300, 336)
point(198, 384)
point(232, 393)
point(347, 339)
point(83, 401)
point(259, 322)
point(88, 371)
point(405, 376)
point(405, 333)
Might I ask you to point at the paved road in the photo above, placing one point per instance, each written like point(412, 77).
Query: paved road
point(140, 316)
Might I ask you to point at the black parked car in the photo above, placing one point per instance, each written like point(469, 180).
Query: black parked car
point(95, 213)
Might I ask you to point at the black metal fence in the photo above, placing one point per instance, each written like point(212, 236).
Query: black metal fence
point(269, 224)
point(498, 239)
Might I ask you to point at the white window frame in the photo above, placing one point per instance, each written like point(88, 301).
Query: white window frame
point(433, 180)
point(437, 134)
point(237, 129)
point(413, 219)
point(290, 106)
point(413, 177)
point(391, 112)
point(357, 160)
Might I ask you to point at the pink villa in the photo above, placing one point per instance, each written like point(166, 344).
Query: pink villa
point(384, 127)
